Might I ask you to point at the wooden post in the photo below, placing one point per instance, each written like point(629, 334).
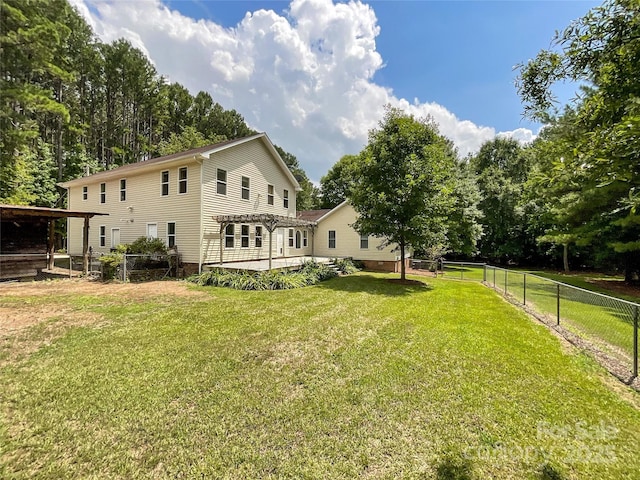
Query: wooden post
point(51, 242)
point(85, 246)
point(270, 246)
point(222, 228)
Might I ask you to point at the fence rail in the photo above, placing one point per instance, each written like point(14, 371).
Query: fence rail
point(601, 322)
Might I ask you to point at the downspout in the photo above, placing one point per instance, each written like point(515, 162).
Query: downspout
point(200, 255)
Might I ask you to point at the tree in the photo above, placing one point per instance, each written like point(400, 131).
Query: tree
point(463, 222)
point(602, 49)
point(188, 139)
point(402, 190)
point(502, 167)
point(336, 184)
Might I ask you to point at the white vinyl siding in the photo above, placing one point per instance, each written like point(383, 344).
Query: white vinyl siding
point(145, 204)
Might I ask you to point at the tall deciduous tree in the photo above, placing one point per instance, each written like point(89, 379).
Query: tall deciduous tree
point(603, 49)
point(336, 184)
point(403, 183)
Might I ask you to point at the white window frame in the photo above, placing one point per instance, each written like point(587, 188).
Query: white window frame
point(102, 235)
point(298, 239)
point(270, 195)
point(103, 192)
point(164, 183)
point(245, 192)
point(231, 235)
point(183, 181)
point(244, 238)
point(285, 198)
point(290, 243)
point(123, 191)
point(221, 184)
point(305, 238)
point(334, 239)
point(364, 240)
point(258, 237)
point(148, 225)
point(85, 193)
point(171, 235)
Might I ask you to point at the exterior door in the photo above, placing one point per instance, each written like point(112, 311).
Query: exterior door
point(115, 237)
point(280, 243)
point(152, 230)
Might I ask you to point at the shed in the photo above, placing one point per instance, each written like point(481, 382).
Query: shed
point(27, 238)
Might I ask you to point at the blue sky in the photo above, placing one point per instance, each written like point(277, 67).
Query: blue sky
point(451, 59)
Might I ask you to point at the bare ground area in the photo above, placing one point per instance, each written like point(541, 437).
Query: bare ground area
point(45, 305)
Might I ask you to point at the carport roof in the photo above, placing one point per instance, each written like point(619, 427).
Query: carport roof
point(18, 211)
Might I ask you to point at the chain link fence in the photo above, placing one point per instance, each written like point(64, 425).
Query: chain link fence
point(462, 270)
point(605, 325)
point(145, 267)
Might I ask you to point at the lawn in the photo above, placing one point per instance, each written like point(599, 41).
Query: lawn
point(355, 377)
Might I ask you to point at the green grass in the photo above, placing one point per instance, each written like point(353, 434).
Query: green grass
point(355, 377)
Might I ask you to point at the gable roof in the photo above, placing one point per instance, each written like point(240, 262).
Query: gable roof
point(319, 215)
point(194, 153)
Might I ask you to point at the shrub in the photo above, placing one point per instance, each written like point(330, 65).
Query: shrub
point(112, 261)
point(148, 246)
point(345, 265)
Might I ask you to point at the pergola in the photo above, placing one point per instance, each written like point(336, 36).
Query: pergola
point(21, 212)
point(268, 221)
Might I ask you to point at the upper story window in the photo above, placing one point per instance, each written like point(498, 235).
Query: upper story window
point(244, 236)
point(291, 237)
point(245, 188)
point(85, 192)
point(103, 193)
point(269, 194)
point(285, 198)
point(229, 235)
point(171, 234)
point(258, 236)
point(164, 182)
point(182, 180)
point(332, 239)
point(364, 241)
point(221, 182)
point(123, 189)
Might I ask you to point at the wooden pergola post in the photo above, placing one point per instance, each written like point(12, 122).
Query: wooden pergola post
point(223, 227)
point(85, 246)
point(270, 247)
point(51, 243)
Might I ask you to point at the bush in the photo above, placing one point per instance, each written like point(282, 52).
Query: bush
point(310, 274)
point(147, 246)
point(112, 261)
point(345, 265)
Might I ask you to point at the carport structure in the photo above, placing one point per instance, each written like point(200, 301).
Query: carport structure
point(27, 238)
point(268, 221)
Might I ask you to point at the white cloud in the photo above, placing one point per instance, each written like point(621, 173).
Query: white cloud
point(304, 78)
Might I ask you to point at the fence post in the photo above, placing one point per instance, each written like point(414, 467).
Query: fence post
point(124, 268)
point(484, 273)
point(524, 292)
point(558, 303)
point(635, 342)
point(70, 265)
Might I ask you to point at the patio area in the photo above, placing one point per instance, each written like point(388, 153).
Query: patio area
point(288, 263)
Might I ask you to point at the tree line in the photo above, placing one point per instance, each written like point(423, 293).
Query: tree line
point(71, 104)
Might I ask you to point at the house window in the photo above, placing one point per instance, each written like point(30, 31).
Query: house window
point(85, 192)
point(103, 236)
point(245, 188)
point(364, 242)
point(123, 189)
point(286, 199)
point(221, 184)
point(332, 239)
point(269, 194)
point(291, 238)
point(182, 180)
point(258, 236)
point(229, 233)
point(164, 182)
point(103, 193)
point(298, 239)
point(171, 234)
point(152, 230)
point(305, 238)
point(244, 236)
